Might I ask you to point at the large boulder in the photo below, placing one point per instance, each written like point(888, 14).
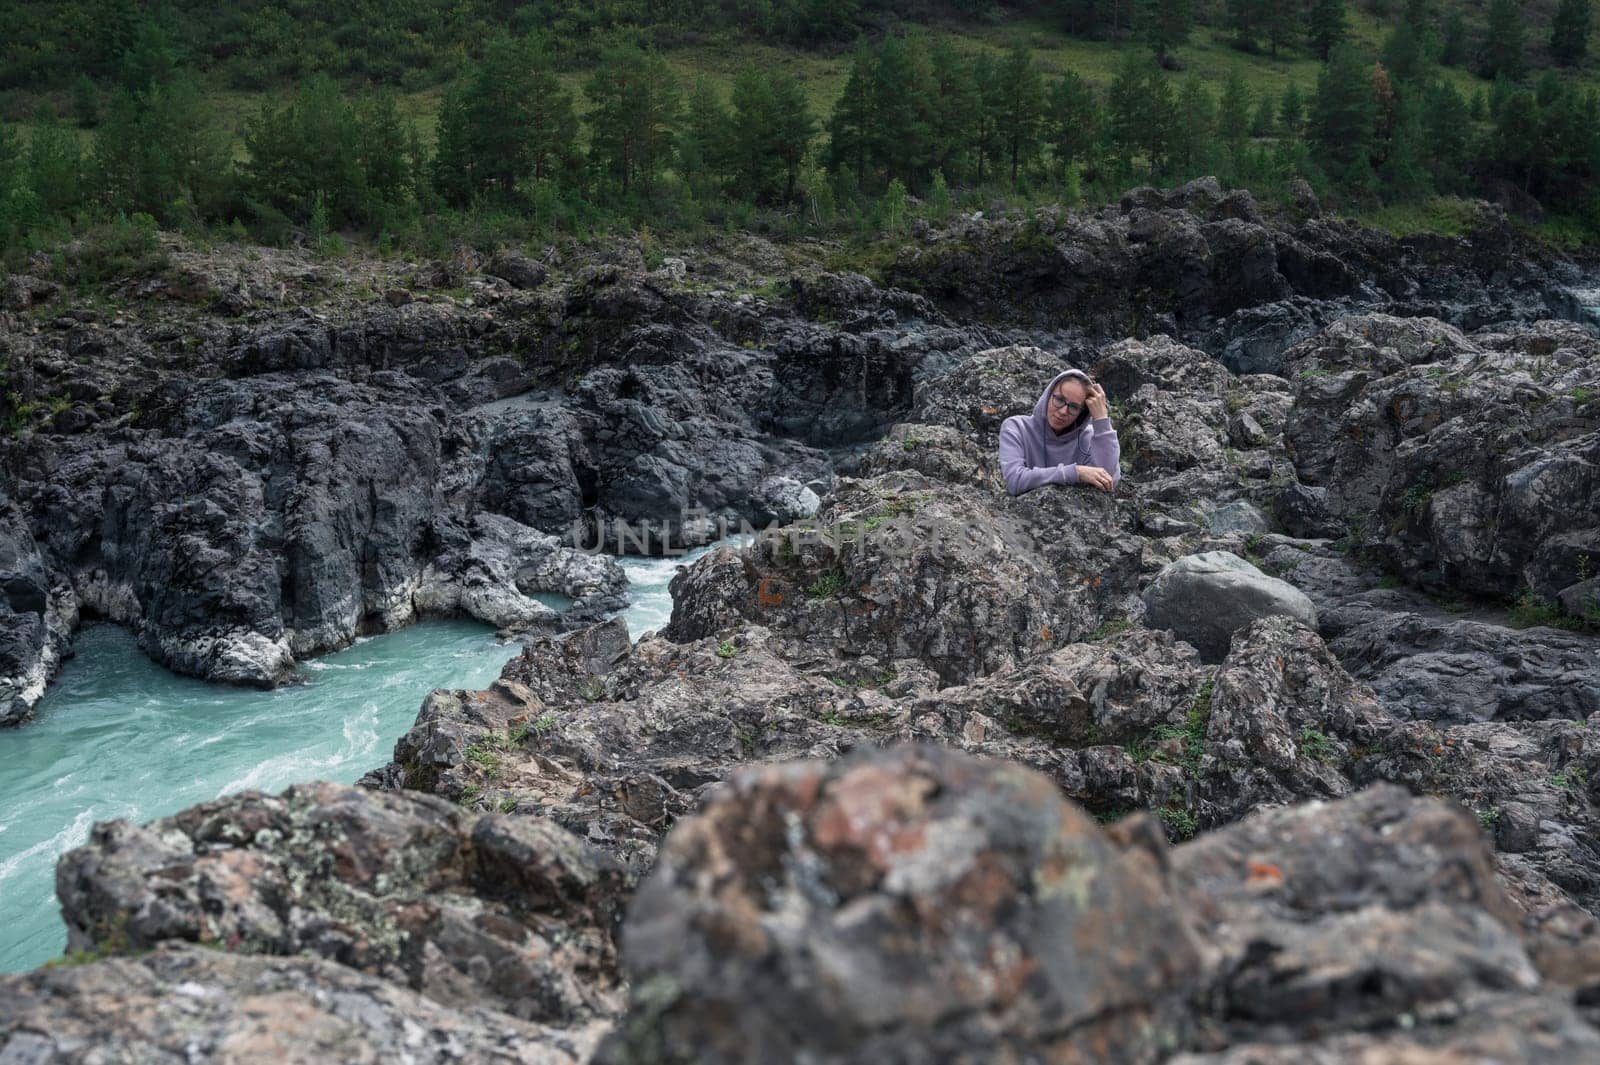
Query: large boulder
point(913, 905)
point(1205, 598)
point(901, 566)
point(1378, 914)
point(510, 912)
point(185, 1003)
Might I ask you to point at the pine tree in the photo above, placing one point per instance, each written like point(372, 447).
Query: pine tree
point(1343, 113)
point(1569, 32)
point(1447, 131)
point(1195, 128)
point(85, 102)
point(767, 132)
point(1245, 17)
point(954, 115)
point(1292, 112)
point(511, 119)
point(1261, 122)
point(1142, 114)
point(1327, 26)
point(1164, 25)
point(1403, 52)
point(985, 135)
point(1233, 115)
point(900, 139)
point(1075, 122)
point(703, 138)
point(633, 121)
point(1019, 118)
point(1503, 53)
point(1279, 22)
point(1453, 52)
point(850, 127)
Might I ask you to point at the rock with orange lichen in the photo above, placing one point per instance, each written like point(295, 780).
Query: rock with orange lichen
point(910, 905)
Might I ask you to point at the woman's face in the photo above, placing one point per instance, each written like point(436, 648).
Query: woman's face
point(1065, 403)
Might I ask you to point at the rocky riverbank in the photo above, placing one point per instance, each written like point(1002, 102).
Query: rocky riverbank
point(1330, 789)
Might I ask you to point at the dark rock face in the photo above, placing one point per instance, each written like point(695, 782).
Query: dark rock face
point(1477, 468)
point(512, 913)
point(914, 906)
point(1208, 266)
point(37, 614)
point(179, 1001)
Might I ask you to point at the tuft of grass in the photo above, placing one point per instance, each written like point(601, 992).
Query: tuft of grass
point(726, 649)
point(826, 586)
point(1316, 744)
point(1489, 818)
point(1109, 628)
point(1180, 822)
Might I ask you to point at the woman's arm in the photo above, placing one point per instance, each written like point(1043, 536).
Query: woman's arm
point(1105, 451)
point(1021, 477)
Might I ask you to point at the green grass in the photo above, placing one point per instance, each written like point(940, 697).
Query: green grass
point(826, 586)
point(1449, 215)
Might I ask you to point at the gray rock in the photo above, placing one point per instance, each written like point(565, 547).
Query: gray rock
point(912, 905)
point(181, 1003)
point(1237, 517)
point(1204, 599)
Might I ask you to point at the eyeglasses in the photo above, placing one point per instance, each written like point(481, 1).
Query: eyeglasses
point(1065, 404)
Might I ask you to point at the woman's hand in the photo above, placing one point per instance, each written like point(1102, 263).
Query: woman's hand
point(1096, 402)
point(1095, 477)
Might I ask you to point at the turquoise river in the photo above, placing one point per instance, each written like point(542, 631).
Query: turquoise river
point(118, 736)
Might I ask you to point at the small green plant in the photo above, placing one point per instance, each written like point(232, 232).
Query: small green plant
point(1489, 818)
point(910, 443)
point(516, 734)
point(1581, 394)
point(1528, 610)
point(469, 795)
point(506, 804)
point(726, 649)
point(1574, 779)
point(826, 586)
point(1419, 493)
point(1388, 580)
point(543, 723)
point(1316, 744)
point(483, 755)
point(1180, 822)
point(1108, 628)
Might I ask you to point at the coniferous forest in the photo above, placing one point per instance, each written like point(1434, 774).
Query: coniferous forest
point(420, 123)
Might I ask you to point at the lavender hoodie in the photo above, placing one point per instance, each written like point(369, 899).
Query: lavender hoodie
point(1033, 454)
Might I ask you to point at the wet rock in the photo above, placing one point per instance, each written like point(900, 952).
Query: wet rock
point(911, 905)
point(1204, 599)
point(180, 1001)
point(510, 912)
point(38, 612)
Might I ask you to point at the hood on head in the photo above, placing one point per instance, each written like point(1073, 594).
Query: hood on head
point(1042, 407)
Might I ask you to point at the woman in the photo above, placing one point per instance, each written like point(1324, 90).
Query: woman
point(1068, 439)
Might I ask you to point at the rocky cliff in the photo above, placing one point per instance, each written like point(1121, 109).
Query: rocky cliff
point(1281, 752)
